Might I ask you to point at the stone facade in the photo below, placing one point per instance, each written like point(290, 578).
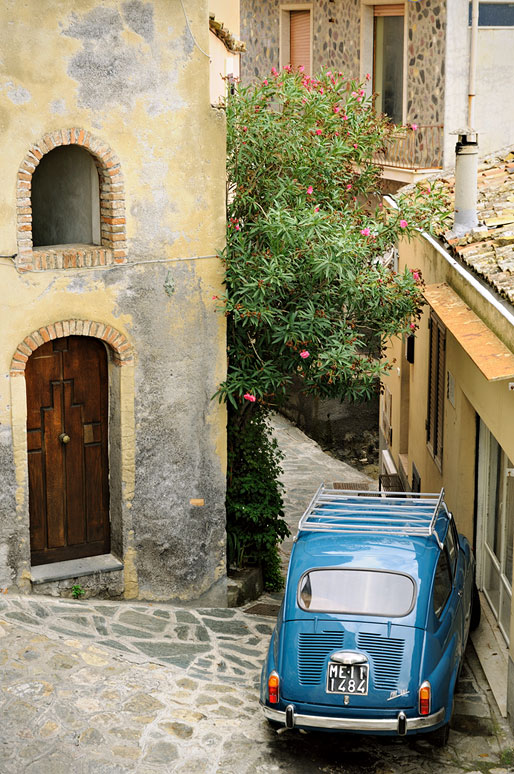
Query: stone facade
point(426, 62)
point(335, 41)
point(127, 82)
point(336, 44)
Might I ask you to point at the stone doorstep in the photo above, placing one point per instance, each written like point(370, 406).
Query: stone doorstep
point(75, 568)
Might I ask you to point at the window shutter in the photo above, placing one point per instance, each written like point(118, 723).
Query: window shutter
point(300, 39)
point(393, 9)
point(436, 385)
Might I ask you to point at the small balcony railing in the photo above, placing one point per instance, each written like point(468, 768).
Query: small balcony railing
point(420, 148)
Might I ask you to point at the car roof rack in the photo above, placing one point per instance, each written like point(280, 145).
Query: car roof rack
point(376, 513)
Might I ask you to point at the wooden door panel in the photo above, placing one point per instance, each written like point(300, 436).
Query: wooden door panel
point(37, 505)
point(74, 466)
point(89, 393)
point(95, 495)
point(43, 367)
point(54, 468)
point(68, 482)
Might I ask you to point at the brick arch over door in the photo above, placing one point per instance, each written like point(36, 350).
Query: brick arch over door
point(113, 248)
point(119, 344)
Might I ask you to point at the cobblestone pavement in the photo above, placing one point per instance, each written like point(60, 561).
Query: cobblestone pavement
point(101, 687)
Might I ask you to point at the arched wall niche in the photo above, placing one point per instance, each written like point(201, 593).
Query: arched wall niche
point(111, 231)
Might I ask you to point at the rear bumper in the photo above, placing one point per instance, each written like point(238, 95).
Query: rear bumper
point(399, 724)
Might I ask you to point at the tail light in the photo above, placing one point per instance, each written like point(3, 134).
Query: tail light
point(273, 684)
point(424, 698)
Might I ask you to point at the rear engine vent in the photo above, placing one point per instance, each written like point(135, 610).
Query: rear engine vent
point(313, 650)
point(387, 656)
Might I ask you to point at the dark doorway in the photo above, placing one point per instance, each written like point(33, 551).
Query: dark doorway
point(67, 435)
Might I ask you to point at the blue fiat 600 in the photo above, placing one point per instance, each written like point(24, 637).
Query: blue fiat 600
point(379, 600)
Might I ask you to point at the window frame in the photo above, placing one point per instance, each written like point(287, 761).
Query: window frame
point(367, 47)
point(285, 32)
point(439, 611)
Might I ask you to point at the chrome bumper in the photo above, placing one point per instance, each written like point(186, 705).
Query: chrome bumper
point(400, 724)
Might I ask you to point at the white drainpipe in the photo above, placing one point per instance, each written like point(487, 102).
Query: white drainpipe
point(473, 63)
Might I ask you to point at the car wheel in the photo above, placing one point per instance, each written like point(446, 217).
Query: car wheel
point(439, 737)
point(475, 608)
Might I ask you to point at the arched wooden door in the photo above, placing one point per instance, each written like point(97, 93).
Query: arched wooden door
point(67, 415)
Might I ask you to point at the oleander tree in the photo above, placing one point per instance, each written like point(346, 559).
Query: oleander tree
point(307, 294)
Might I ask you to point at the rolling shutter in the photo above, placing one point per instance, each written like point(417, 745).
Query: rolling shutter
point(300, 39)
point(393, 9)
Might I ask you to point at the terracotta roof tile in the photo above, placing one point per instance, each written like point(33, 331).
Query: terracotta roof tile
point(489, 250)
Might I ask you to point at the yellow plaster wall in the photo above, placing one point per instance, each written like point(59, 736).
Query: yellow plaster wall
point(141, 84)
point(492, 401)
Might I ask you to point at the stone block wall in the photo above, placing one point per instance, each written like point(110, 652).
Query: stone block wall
point(335, 43)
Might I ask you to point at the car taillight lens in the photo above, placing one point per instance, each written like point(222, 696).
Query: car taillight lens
point(273, 684)
point(424, 698)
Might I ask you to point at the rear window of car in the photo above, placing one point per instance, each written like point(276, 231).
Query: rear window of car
point(363, 592)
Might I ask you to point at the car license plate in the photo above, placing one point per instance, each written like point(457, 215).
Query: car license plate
point(347, 678)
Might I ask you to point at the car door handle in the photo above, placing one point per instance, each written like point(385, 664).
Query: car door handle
point(460, 592)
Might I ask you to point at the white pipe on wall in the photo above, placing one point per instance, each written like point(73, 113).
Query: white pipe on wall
point(472, 64)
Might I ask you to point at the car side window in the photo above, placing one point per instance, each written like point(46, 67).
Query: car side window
point(442, 582)
point(452, 545)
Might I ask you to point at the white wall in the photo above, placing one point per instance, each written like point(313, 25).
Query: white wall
point(494, 105)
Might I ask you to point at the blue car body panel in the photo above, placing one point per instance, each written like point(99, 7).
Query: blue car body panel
point(401, 652)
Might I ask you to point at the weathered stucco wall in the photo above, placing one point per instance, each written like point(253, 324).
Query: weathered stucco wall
point(492, 401)
point(335, 36)
point(129, 73)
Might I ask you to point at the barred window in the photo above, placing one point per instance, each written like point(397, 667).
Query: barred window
point(436, 382)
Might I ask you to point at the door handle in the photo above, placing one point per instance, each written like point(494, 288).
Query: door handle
point(64, 438)
point(460, 592)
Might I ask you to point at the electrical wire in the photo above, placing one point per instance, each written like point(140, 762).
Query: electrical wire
point(191, 32)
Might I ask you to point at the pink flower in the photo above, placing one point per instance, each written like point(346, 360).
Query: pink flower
point(310, 189)
point(304, 354)
point(345, 118)
point(316, 209)
point(349, 187)
point(319, 131)
point(329, 72)
point(413, 127)
point(215, 298)
point(355, 145)
point(412, 327)
point(368, 77)
point(245, 128)
point(415, 275)
point(238, 227)
point(361, 92)
point(301, 69)
point(265, 82)
point(336, 108)
point(336, 134)
point(249, 396)
point(354, 94)
point(403, 224)
point(274, 71)
point(365, 232)
point(321, 91)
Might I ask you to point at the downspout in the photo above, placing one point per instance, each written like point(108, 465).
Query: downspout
point(473, 64)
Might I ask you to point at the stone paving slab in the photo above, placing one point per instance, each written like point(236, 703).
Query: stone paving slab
point(75, 701)
point(100, 687)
